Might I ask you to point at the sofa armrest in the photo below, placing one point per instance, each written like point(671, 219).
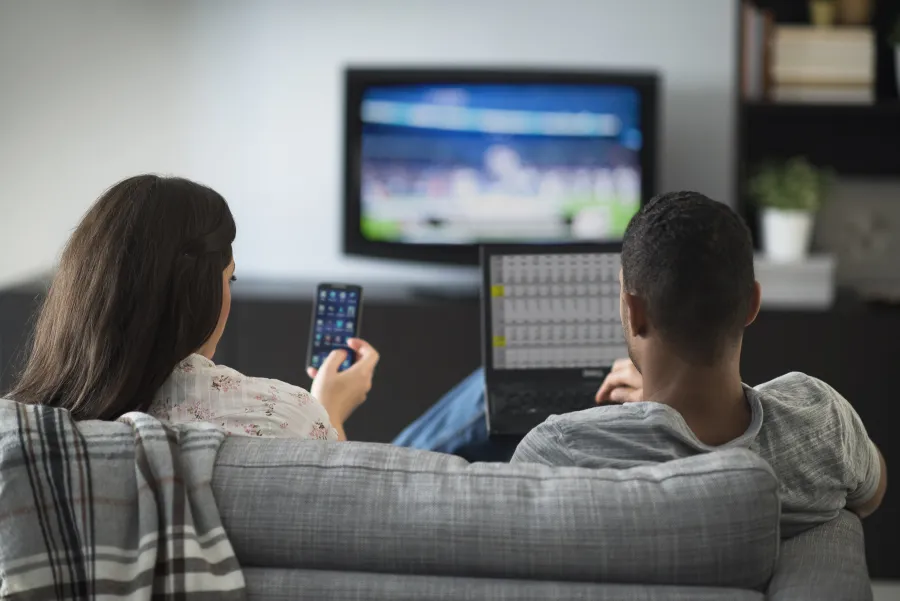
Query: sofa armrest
point(825, 563)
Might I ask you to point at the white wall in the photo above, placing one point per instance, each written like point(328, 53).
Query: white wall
point(246, 96)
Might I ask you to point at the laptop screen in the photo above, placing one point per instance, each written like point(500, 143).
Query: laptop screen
point(552, 308)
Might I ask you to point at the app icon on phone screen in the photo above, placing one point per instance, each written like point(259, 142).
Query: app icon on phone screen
point(335, 319)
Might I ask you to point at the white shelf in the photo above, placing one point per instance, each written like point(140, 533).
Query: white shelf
point(808, 284)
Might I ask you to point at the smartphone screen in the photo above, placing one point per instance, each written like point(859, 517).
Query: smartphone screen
point(336, 317)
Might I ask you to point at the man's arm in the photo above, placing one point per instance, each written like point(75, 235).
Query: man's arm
point(865, 470)
point(867, 508)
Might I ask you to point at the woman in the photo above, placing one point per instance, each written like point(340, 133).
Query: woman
point(133, 316)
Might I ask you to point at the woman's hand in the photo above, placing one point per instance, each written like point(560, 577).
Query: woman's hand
point(623, 384)
point(342, 392)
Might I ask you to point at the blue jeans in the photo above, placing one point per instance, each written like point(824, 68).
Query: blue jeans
point(456, 425)
point(453, 422)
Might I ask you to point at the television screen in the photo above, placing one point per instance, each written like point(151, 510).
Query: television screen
point(463, 163)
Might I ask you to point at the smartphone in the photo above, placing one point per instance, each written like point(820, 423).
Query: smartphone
point(337, 313)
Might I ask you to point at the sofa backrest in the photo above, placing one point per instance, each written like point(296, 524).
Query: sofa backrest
point(707, 520)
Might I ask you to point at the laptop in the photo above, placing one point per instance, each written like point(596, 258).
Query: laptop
point(551, 329)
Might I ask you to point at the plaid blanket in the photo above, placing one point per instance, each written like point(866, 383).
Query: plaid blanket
point(99, 510)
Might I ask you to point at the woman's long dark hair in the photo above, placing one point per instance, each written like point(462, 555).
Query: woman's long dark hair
point(139, 288)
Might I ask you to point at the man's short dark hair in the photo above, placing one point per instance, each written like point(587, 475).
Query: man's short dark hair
point(690, 259)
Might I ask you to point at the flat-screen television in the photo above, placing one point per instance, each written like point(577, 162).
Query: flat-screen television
point(439, 161)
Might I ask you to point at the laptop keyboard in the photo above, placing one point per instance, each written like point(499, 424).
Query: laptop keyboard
point(516, 400)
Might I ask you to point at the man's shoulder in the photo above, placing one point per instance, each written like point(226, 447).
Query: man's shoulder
point(629, 421)
point(614, 436)
point(795, 388)
point(800, 410)
point(612, 415)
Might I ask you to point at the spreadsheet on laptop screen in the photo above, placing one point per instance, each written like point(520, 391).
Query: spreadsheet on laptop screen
point(555, 311)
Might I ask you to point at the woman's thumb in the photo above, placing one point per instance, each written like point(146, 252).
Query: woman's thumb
point(333, 361)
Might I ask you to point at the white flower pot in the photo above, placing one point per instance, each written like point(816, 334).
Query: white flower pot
point(786, 235)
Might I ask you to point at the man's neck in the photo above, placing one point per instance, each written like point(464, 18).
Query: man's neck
point(709, 398)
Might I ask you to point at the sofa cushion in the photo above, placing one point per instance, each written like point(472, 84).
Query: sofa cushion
point(267, 584)
point(706, 520)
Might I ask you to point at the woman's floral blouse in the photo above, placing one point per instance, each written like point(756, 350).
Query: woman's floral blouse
point(201, 391)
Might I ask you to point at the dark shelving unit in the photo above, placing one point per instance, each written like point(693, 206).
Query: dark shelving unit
point(855, 140)
point(851, 139)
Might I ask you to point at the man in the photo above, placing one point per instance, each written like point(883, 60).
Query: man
point(688, 292)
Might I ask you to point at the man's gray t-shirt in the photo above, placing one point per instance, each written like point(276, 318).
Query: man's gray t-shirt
point(802, 427)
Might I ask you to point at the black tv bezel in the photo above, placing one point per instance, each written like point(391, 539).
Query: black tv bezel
point(357, 79)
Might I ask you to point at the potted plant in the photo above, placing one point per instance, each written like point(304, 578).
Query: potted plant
point(790, 194)
point(823, 13)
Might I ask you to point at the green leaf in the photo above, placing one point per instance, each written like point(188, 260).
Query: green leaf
point(794, 184)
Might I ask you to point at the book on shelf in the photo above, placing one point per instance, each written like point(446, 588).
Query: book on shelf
point(822, 94)
point(823, 56)
point(805, 64)
point(756, 29)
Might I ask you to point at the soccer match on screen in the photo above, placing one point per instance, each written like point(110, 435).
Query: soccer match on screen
point(458, 164)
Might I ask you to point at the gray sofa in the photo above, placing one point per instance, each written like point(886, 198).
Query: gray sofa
point(365, 521)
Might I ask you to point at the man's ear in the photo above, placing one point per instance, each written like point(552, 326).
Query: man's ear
point(755, 303)
point(636, 315)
